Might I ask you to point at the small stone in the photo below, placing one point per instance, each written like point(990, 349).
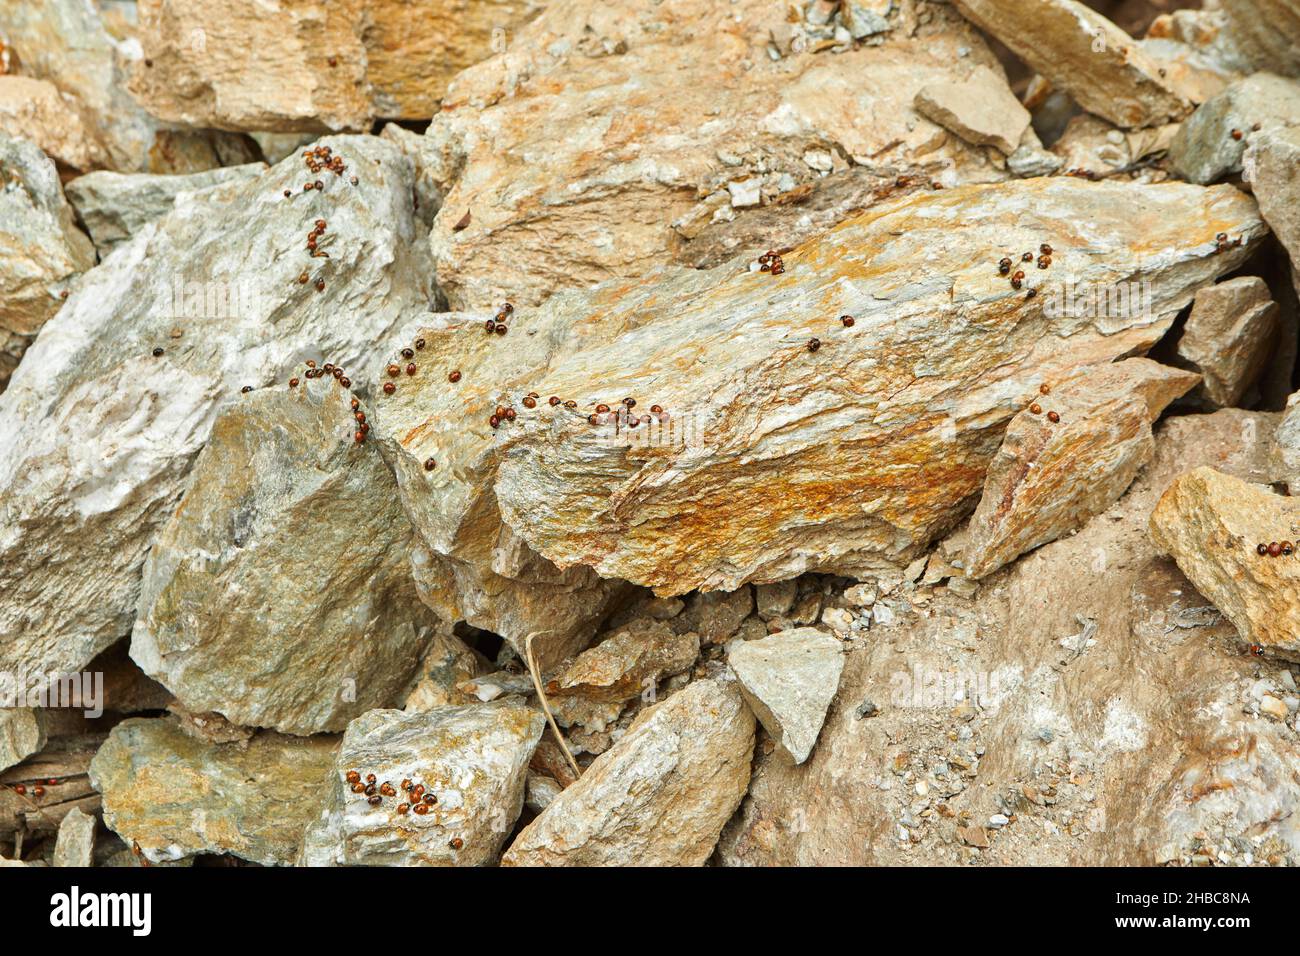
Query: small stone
point(1273, 708)
point(22, 733)
point(980, 108)
point(789, 680)
point(1229, 337)
point(775, 600)
point(998, 820)
point(75, 845)
point(473, 759)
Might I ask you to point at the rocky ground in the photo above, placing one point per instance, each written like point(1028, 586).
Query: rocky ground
point(655, 433)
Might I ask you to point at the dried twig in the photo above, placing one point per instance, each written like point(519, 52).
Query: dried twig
point(541, 696)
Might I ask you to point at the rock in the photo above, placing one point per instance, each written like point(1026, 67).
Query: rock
point(115, 206)
point(860, 595)
point(1143, 721)
point(35, 110)
point(540, 792)
point(1030, 161)
point(1087, 56)
point(41, 249)
point(789, 681)
point(1286, 451)
point(76, 843)
point(1265, 33)
point(1269, 166)
point(592, 691)
point(865, 18)
point(1210, 524)
point(22, 733)
point(176, 797)
point(295, 530)
point(322, 65)
point(428, 195)
point(1049, 478)
point(86, 51)
point(1206, 148)
point(658, 797)
point(97, 434)
point(980, 108)
point(717, 615)
point(775, 600)
point(447, 664)
point(1273, 708)
point(473, 759)
point(839, 620)
point(759, 469)
point(560, 200)
point(1230, 337)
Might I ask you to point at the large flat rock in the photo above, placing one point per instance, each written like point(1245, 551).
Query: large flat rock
point(768, 459)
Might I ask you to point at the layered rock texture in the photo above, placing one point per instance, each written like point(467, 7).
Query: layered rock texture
point(294, 528)
point(322, 65)
point(144, 354)
point(608, 139)
point(41, 250)
point(661, 433)
point(771, 439)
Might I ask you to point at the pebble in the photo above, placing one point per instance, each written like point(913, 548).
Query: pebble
point(999, 820)
point(1271, 707)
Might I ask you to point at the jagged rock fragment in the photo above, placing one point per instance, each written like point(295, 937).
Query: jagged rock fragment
point(472, 759)
point(41, 249)
point(76, 842)
point(22, 733)
point(1087, 56)
point(293, 528)
point(322, 64)
point(658, 797)
point(176, 796)
point(1230, 336)
point(789, 681)
point(980, 108)
point(1214, 139)
point(1049, 478)
point(573, 173)
point(1212, 524)
point(115, 206)
point(594, 688)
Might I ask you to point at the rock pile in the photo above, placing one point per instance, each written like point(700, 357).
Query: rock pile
point(659, 433)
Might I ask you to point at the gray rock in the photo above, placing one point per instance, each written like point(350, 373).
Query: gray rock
point(294, 530)
point(789, 681)
point(1269, 166)
point(22, 733)
point(1205, 148)
point(540, 792)
point(1029, 161)
point(41, 249)
point(75, 845)
point(865, 18)
point(473, 759)
point(97, 434)
point(176, 796)
point(716, 615)
point(115, 206)
point(658, 797)
point(1229, 337)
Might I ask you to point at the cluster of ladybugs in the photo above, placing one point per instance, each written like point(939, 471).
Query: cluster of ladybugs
point(1275, 548)
point(621, 415)
point(322, 158)
point(418, 800)
point(498, 323)
point(339, 375)
point(37, 789)
point(1018, 277)
point(1036, 409)
point(770, 261)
